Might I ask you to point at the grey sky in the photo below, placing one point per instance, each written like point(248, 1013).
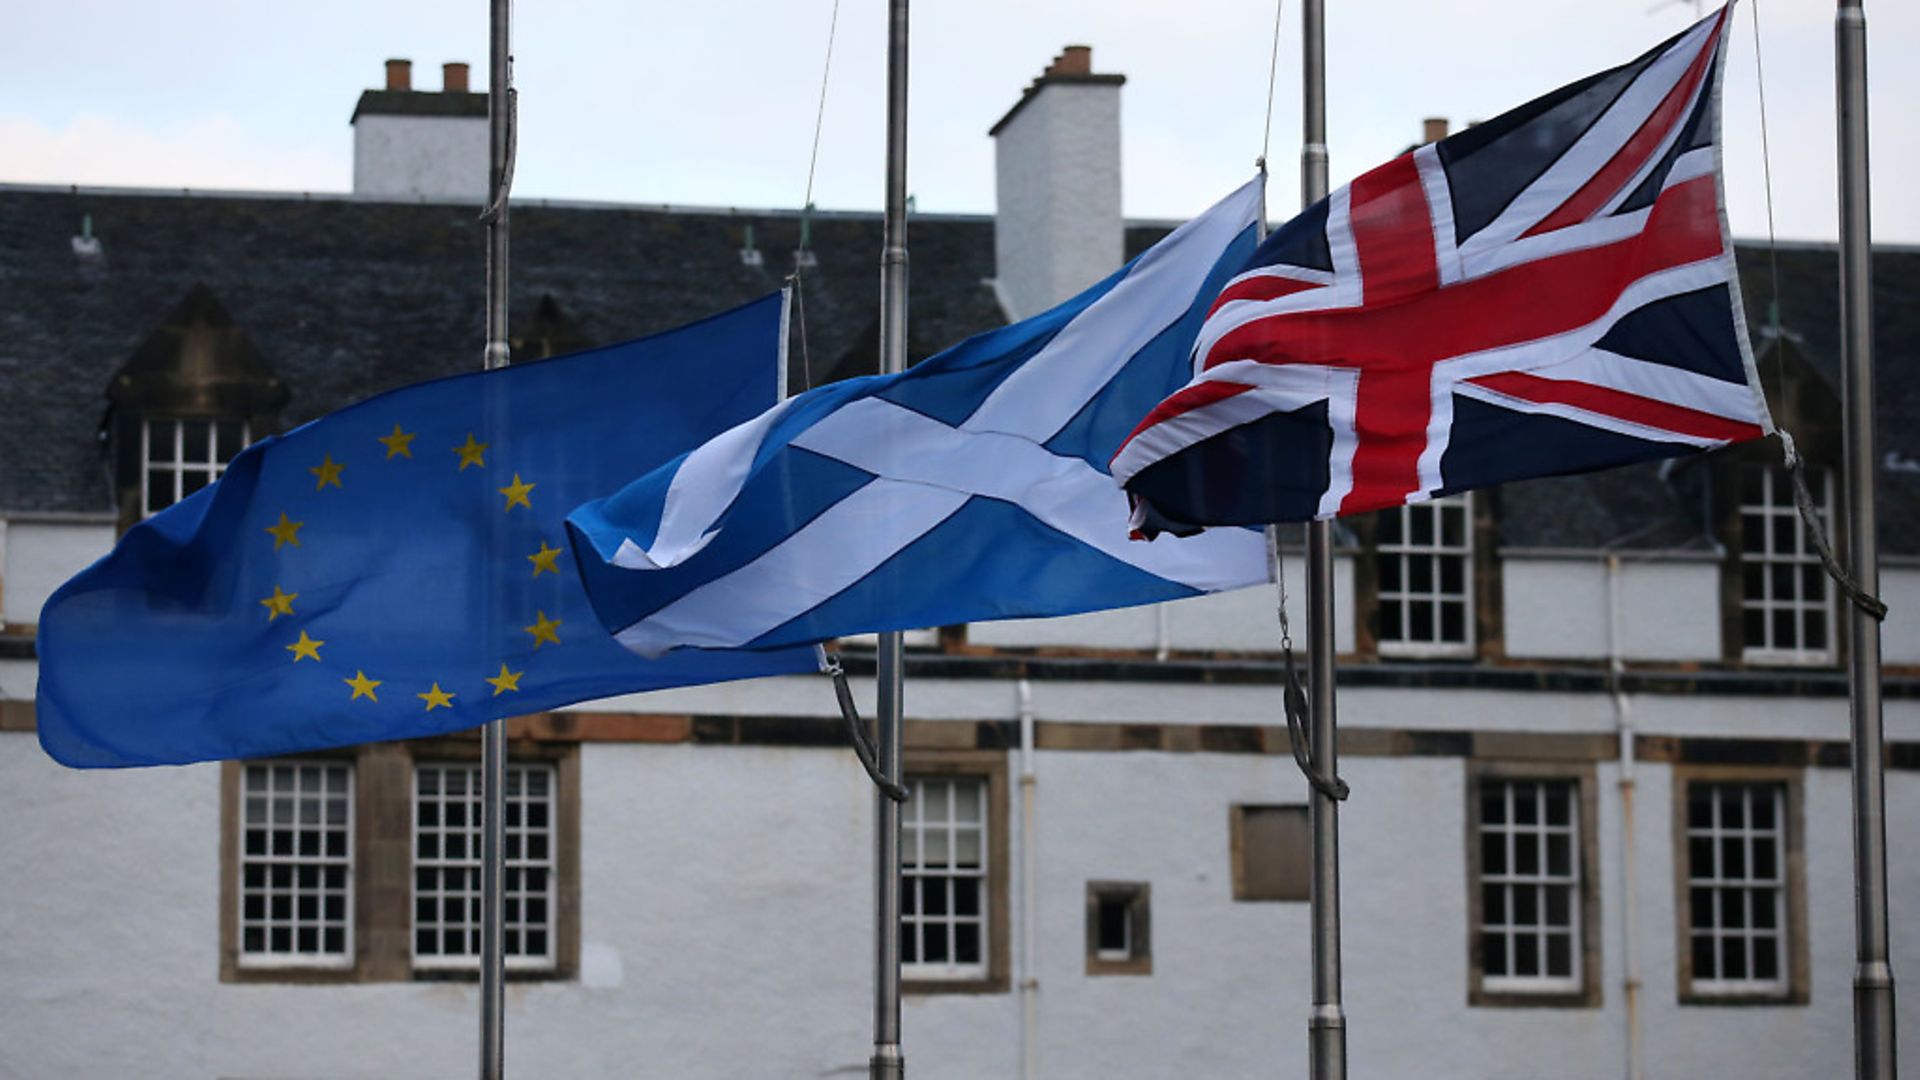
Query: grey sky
point(713, 104)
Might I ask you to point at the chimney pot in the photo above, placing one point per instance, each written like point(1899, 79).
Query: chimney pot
point(1433, 129)
point(453, 78)
point(1073, 60)
point(399, 74)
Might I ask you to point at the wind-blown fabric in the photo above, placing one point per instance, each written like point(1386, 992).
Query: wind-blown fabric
point(1551, 291)
point(971, 487)
point(395, 569)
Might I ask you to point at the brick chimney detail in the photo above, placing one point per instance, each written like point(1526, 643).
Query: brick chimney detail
point(1433, 129)
point(1057, 225)
point(453, 78)
point(409, 144)
point(399, 74)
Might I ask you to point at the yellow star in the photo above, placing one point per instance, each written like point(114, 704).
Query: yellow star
point(287, 532)
point(516, 493)
point(543, 560)
point(436, 698)
point(328, 472)
point(399, 443)
point(543, 630)
point(505, 681)
point(305, 648)
point(473, 453)
point(362, 686)
point(280, 603)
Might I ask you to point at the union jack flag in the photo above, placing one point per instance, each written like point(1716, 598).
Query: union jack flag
point(1551, 291)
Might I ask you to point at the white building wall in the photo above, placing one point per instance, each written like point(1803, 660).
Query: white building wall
point(1556, 608)
point(1057, 227)
point(1900, 634)
point(434, 157)
point(37, 557)
point(726, 932)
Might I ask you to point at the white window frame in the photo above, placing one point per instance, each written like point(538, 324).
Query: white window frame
point(1746, 886)
point(917, 873)
point(1540, 880)
point(518, 860)
point(269, 796)
point(1397, 604)
point(177, 469)
point(1770, 509)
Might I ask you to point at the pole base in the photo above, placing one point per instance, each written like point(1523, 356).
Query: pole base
point(886, 1063)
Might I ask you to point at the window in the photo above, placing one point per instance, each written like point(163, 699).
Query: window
point(1785, 605)
point(296, 865)
point(943, 840)
point(1119, 930)
point(1739, 888)
point(1532, 904)
point(364, 865)
point(1272, 849)
point(446, 866)
point(1424, 561)
point(953, 873)
point(182, 456)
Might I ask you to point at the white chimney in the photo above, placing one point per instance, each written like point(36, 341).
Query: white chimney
point(1057, 226)
point(413, 144)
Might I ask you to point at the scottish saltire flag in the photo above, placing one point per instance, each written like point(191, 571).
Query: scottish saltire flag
point(397, 568)
point(1551, 291)
point(973, 486)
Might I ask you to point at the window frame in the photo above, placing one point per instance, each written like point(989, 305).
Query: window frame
point(234, 905)
point(1803, 557)
point(436, 965)
point(1137, 957)
point(382, 872)
point(177, 466)
point(1245, 886)
point(989, 766)
point(1794, 988)
point(1400, 600)
point(1584, 989)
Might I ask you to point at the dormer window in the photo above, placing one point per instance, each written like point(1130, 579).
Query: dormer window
point(1786, 604)
point(183, 456)
point(188, 400)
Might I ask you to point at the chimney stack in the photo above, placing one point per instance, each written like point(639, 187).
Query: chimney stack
point(1433, 129)
point(409, 144)
point(1057, 226)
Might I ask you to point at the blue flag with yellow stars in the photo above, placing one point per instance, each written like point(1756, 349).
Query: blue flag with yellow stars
point(395, 569)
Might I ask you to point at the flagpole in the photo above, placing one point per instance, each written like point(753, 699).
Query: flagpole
point(887, 1062)
point(493, 737)
point(1327, 1023)
point(1873, 1016)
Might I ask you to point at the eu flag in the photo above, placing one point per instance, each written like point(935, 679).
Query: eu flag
point(395, 569)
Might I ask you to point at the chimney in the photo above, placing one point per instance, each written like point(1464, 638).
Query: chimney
point(415, 145)
point(1057, 226)
point(1433, 129)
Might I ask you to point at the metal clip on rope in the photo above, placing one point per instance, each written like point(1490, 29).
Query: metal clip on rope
point(857, 733)
point(1293, 697)
point(1803, 499)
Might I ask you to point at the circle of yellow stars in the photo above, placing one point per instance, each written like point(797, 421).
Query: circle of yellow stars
point(398, 443)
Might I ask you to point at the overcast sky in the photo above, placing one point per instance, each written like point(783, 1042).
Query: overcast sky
point(712, 104)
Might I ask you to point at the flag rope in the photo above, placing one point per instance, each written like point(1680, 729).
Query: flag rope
point(1273, 73)
point(1790, 454)
point(1293, 698)
point(857, 732)
point(806, 204)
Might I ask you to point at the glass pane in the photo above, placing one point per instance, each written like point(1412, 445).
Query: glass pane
point(1453, 575)
point(1766, 958)
point(1765, 908)
point(1493, 853)
point(966, 943)
point(1559, 905)
point(1733, 959)
point(1733, 909)
point(934, 892)
point(966, 803)
point(1733, 858)
point(1453, 525)
point(1753, 581)
point(1526, 905)
point(1699, 807)
point(1390, 573)
point(1783, 629)
point(1526, 807)
point(936, 942)
point(1420, 620)
point(1559, 854)
point(1111, 929)
point(933, 847)
point(1785, 579)
point(159, 489)
point(1420, 574)
point(1526, 955)
point(1559, 800)
point(195, 445)
point(1388, 526)
point(1453, 622)
point(1493, 902)
point(1753, 623)
point(966, 848)
point(1700, 857)
point(1753, 534)
point(1493, 956)
point(1733, 813)
point(1786, 531)
point(1705, 965)
point(1560, 954)
point(1764, 867)
point(1526, 853)
point(1700, 901)
point(160, 440)
point(1420, 526)
point(192, 480)
point(1813, 627)
point(1493, 804)
point(230, 439)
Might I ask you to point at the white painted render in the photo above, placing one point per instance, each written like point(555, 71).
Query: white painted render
point(1556, 608)
point(1057, 227)
point(420, 156)
point(1900, 634)
point(37, 556)
point(726, 932)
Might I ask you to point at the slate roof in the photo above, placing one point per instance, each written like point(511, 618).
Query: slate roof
point(348, 297)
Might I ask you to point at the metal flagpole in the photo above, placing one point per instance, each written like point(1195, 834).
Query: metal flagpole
point(887, 1062)
point(493, 738)
point(1327, 1023)
point(1873, 1018)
